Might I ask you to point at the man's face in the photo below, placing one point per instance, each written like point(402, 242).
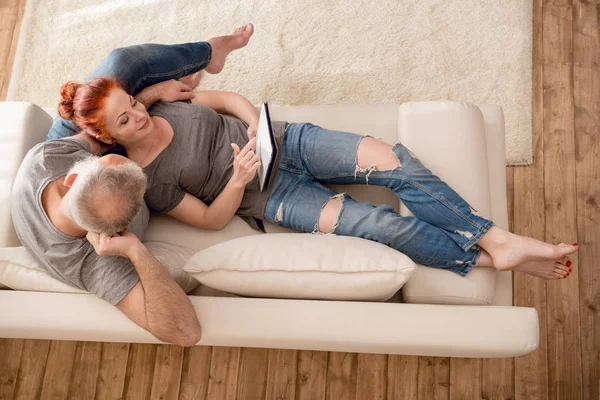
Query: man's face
point(126, 119)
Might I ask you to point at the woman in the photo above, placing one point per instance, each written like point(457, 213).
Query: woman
point(197, 178)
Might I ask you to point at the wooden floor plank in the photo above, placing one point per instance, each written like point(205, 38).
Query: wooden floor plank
point(402, 374)
point(252, 375)
point(281, 374)
point(112, 371)
point(10, 355)
point(9, 3)
point(341, 375)
point(510, 196)
point(140, 371)
point(167, 372)
point(59, 368)
point(497, 379)
point(7, 66)
point(433, 380)
point(312, 375)
point(371, 376)
point(8, 20)
point(195, 373)
point(531, 371)
point(465, 378)
point(564, 343)
point(85, 370)
point(222, 384)
point(32, 367)
point(586, 78)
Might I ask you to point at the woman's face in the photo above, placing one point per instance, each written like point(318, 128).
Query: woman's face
point(126, 118)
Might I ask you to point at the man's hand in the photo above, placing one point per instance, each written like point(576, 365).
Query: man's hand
point(114, 245)
point(173, 90)
point(192, 80)
point(252, 130)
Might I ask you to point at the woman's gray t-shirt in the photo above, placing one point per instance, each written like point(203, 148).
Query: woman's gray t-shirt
point(199, 159)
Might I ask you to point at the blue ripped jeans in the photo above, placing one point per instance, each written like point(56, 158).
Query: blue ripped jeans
point(442, 233)
point(140, 66)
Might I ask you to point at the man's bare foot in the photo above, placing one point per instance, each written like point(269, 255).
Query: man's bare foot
point(509, 250)
point(223, 45)
point(550, 270)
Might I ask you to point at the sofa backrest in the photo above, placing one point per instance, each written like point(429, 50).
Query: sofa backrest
point(462, 143)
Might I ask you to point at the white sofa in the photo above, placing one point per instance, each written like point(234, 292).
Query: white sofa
point(437, 313)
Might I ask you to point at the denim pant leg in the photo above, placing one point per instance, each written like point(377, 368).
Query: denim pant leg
point(140, 66)
point(296, 202)
point(331, 157)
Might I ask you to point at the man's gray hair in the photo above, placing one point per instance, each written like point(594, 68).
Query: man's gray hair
point(122, 186)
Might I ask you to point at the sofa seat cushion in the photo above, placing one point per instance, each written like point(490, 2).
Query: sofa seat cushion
point(303, 266)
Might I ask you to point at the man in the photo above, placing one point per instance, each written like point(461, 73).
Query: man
point(68, 208)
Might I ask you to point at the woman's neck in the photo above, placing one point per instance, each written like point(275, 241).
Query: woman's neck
point(146, 150)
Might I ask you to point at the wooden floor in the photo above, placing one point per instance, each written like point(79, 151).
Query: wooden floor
point(557, 199)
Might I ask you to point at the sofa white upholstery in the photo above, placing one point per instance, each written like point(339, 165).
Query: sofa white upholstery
point(469, 316)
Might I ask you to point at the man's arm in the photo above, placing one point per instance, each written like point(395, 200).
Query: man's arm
point(156, 303)
point(96, 147)
point(169, 91)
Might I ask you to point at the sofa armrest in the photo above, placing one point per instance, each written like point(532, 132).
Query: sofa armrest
point(362, 327)
point(450, 139)
point(23, 125)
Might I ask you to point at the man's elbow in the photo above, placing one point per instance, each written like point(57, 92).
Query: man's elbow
point(184, 338)
point(192, 337)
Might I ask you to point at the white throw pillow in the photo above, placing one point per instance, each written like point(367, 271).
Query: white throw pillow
point(20, 271)
point(303, 266)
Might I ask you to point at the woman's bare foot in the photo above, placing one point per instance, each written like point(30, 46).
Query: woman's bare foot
point(547, 269)
point(509, 250)
point(550, 269)
point(223, 45)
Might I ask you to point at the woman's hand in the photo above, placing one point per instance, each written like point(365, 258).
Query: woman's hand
point(245, 163)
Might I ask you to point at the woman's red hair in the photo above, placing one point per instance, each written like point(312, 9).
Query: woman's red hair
point(83, 104)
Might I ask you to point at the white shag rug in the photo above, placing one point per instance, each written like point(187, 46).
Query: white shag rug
point(305, 51)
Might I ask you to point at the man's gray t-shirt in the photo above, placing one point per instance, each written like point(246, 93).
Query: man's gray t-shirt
point(199, 159)
point(69, 259)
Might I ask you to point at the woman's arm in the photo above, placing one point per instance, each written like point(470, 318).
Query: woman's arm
point(193, 211)
point(228, 103)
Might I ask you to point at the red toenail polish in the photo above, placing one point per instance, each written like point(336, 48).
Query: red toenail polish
point(574, 244)
point(568, 263)
point(570, 270)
